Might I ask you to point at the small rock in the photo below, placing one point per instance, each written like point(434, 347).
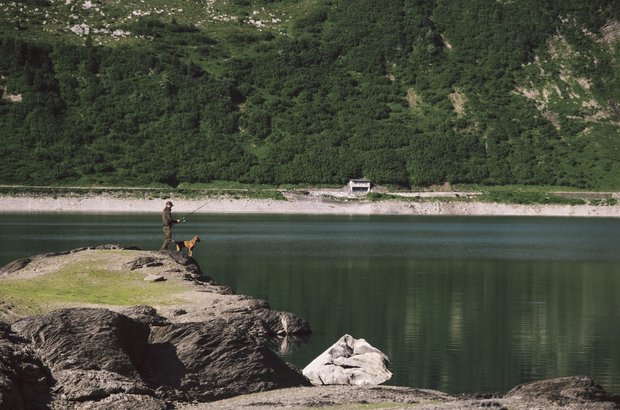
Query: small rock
point(153, 264)
point(14, 266)
point(154, 278)
point(145, 314)
point(178, 312)
point(141, 262)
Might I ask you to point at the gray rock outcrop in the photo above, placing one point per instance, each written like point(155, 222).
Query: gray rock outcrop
point(349, 361)
point(210, 348)
point(25, 383)
point(14, 266)
point(99, 356)
point(254, 315)
point(91, 353)
point(190, 364)
point(562, 391)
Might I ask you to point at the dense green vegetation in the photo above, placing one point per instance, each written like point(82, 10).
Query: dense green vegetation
point(401, 92)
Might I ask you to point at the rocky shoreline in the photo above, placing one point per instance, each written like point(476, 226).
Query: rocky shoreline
point(211, 345)
point(209, 350)
point(313, 203)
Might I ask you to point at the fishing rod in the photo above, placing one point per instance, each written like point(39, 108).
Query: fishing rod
point(183, 219)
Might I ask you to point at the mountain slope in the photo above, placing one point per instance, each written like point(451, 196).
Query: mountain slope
point(312, 91)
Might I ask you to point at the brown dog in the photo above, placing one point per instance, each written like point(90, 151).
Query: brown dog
point(187, 244)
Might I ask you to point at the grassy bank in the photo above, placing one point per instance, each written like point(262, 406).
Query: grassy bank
point(509, 194)
point(87, 280)
point(552, 195)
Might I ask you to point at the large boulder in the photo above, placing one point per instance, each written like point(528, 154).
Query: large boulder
point(24, 382)
point(214, 360)
point(212, 346)
point(91, 353)
point(562, 391)
point(283, 323)
point(257, 318)
point(117, 361)
point(349, 361)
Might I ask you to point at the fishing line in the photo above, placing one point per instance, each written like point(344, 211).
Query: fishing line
point(183, 219)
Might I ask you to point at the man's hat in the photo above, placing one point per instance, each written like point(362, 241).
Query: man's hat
point(169, 203)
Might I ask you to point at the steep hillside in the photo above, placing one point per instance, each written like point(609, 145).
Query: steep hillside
point(310, 91)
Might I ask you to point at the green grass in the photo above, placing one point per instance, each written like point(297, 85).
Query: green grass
point(519, 188)
point(603, 202)
point(528, 198)
point(376, 196)
point(215, 190)
point(534, 194)
point(84, 283)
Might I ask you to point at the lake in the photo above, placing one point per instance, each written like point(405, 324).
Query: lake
point(459, 304)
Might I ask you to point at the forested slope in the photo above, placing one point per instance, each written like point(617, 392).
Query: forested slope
point(310, 91)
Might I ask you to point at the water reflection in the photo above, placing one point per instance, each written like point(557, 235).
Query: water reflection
point(288, 344)
point(458, 304)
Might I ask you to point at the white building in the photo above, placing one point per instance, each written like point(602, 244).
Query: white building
point(359, 186)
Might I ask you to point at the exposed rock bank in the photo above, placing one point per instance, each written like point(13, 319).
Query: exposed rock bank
point(207, 351)
point(567, 393)
point(319, 204)
point(210, 347)
point(201, 298)
point(88, 355)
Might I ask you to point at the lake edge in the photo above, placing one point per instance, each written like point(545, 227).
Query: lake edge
point(297, 205)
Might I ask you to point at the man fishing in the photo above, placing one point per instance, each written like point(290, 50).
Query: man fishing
point(168, 221)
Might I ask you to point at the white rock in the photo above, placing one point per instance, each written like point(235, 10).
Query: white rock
point(349, 361)
point(81, 29)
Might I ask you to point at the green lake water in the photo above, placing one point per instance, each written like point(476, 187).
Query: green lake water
point(459, 304)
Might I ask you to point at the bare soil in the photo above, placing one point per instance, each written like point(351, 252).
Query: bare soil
point(312, 202)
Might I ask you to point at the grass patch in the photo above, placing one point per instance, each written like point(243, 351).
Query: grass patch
point(528, 198)
point(376, 196)
point(235, 191)
point(520, 188)
point(604, 202)
point(84, 283)
point(534, 194)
